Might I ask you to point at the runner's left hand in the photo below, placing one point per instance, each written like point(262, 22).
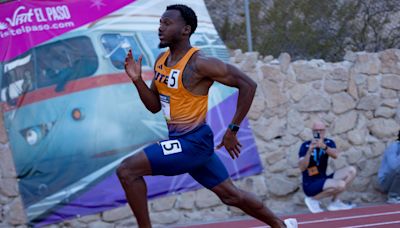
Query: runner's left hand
point(231, 143)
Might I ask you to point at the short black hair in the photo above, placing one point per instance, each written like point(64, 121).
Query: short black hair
point(188, 15)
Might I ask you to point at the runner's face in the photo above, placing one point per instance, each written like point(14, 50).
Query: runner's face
point(171, 28)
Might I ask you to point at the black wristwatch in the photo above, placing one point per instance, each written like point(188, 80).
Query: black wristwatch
point(233, 127)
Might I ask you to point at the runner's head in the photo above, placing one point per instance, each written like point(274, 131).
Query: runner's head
point(177, 23)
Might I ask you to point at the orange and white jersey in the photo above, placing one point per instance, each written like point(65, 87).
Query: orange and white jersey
point(183, 110)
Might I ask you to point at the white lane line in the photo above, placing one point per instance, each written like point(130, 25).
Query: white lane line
point(373, 224)
point(350, 217)
point(343, 218)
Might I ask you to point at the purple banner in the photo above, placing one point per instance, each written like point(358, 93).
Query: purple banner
point(25, 24)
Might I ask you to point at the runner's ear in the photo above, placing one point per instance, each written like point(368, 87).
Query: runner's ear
point(187, 30)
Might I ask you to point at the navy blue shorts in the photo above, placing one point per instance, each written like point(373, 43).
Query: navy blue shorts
point(316, 186)
point(191, 153)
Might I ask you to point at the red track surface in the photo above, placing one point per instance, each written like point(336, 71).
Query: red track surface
point(383, 216)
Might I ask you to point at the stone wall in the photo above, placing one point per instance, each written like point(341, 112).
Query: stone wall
point(357, 98)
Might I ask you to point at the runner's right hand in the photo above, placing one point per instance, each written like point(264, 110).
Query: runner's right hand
point(231, 144)
point(133, 68)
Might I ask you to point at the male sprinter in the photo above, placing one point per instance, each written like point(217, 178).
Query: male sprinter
point(180, 88)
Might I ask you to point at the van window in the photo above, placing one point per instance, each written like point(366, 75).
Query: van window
point(17, 77)
point(62, 61)
point(50, 64)
point(117, 47)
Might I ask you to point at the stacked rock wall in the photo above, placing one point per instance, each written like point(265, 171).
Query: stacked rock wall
point(358, 99)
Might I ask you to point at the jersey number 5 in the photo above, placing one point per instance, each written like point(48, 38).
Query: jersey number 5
point(173, 79)
point(171, 147)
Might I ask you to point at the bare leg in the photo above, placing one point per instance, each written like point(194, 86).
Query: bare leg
point(233, 196)
point(130, 174)
point(346, 174)
point(340, 181)
point(332, 188)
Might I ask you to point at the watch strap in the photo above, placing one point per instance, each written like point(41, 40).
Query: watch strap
point(234, 127)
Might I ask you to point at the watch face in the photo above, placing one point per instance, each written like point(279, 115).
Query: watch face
point(233, 127)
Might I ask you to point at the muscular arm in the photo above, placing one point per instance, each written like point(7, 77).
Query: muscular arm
point(227, 74)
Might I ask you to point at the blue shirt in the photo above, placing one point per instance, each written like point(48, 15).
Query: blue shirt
point(390, 162)
point(318, 158)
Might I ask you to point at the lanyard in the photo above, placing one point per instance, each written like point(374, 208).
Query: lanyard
point(318, 155)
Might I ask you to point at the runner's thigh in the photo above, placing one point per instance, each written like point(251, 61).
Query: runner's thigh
point(181, 155)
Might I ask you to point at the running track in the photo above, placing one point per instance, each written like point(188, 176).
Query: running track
point(382, 216)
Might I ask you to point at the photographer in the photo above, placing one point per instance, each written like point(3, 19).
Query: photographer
point(313, 162)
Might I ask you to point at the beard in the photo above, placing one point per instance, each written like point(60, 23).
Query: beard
point(163, 45)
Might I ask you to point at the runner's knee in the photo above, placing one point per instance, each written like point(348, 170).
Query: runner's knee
point(231, 198)
point(123, 171)
point(127, 170)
